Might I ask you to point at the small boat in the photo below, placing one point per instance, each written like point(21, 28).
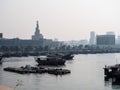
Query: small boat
point(50, 61)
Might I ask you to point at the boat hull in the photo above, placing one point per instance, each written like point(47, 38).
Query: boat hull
point(54, 62)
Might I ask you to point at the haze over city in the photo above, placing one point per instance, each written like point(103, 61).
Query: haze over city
point(62, 19)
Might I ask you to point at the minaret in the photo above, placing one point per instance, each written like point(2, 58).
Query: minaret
point(37, 35)
point(37, 32)
point(37, 24)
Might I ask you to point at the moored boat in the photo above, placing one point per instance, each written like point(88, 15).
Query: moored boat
point(29, 69)
point(50, 61)
point(112, 71)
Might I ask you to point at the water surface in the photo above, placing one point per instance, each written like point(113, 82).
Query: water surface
point(86, 74)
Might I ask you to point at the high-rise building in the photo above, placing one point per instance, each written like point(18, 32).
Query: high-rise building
point(37, 35)
point(105, 39)
point(92, 39)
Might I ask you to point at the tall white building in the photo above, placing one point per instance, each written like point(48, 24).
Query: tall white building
point(37, 35)
point(92, 39)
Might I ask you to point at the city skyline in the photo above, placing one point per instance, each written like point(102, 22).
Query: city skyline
point(64, 19)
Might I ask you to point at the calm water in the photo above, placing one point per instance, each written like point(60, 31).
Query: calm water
point(86, 74)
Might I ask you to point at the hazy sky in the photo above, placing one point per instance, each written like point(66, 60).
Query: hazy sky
point(62, 19)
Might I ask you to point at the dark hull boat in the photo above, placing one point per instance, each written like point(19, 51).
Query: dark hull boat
point(50, 61)
point(112, 71)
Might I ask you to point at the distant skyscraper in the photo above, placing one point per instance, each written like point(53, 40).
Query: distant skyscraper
point(92, 38)
point(37, 35)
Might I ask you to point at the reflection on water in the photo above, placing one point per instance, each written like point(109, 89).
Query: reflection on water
point(86, 74)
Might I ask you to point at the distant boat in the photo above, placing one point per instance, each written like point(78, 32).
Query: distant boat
point(55, 61)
